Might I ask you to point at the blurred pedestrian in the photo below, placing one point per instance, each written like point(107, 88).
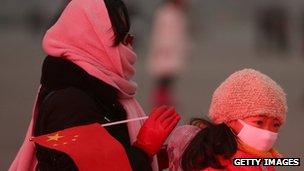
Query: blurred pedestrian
point(272, 28)
point(168, 50)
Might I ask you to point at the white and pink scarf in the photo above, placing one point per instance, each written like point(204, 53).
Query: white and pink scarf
point(84, 35)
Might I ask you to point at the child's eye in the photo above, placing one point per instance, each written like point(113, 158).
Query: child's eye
point(277, 125)
point(259, 123)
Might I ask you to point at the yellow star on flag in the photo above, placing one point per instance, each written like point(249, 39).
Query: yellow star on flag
point(54, 137)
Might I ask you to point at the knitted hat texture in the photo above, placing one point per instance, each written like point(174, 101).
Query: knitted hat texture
point(247, 93)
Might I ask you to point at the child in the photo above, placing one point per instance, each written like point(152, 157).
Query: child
point(247, 111)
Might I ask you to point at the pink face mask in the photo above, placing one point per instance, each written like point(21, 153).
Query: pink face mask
point(257, 138)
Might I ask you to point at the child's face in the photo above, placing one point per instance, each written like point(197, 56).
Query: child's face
point(263, 122)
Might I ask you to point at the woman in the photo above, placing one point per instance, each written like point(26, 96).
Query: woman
point(247, 111)
point(87, 79)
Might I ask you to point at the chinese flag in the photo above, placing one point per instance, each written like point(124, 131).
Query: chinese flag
point(91, 147)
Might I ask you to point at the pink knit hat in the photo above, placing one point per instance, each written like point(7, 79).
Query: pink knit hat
point(248, 93)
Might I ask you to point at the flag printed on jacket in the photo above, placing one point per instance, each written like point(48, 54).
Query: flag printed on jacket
point(91, 147)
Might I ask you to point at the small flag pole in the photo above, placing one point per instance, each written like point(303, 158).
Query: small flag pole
point(124, 121)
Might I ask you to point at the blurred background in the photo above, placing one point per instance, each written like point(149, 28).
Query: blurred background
point(221, 36)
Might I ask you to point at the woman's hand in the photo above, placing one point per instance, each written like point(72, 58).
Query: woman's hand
point(156, 129)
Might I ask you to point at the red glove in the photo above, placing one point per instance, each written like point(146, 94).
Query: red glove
point(156, 129)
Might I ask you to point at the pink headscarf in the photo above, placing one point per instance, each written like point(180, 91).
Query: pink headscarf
point(83, 35)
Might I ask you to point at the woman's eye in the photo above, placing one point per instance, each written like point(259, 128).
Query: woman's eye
point(259, 123)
